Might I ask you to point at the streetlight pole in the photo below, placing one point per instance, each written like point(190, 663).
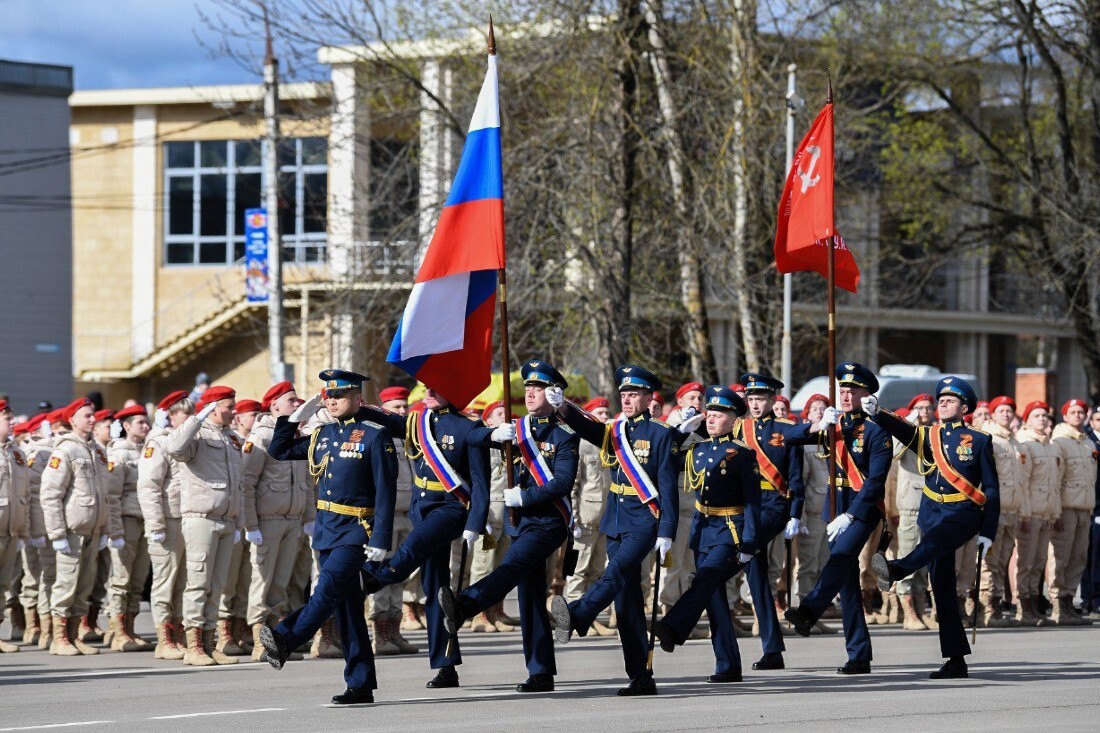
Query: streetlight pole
point(277, 367)
point(793, 102)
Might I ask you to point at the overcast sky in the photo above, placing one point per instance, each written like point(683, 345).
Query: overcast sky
point(118, 43)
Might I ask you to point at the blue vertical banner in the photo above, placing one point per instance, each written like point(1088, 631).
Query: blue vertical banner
point(255, 255)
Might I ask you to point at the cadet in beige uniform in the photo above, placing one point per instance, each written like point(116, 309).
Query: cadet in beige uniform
point(158, 489)
point(39, 450)
point(279, 501)
point(15, 508)
point(908, 489)
point(209, 457)
point(1069, 542)
point(1014, 504)
point(1041, 474)
point(74, 506)
point(39, 566)
point(129, 563)
point(89, 630)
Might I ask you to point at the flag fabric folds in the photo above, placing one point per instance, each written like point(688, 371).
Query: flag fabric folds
point(805, 224)
point(445, 336)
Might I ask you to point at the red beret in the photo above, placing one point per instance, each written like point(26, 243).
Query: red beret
point(981, 403)
point(922, 397)
point(1002, 400)
point(56, 416)
point(71, 409)
point(739, 388)
point(689, 387)
point(596, 403)
point(171, 399)
point(276, 391)
point(1075, 403)
point(968, 418)
point(658, 398)
point(20, 427)
point(3, 405)
point(244, 406)
point(131, 411)
point(784, 400)
point(1033, 406)
point(35, 421)
point(395, 393)
point(484, 413)
point(217, 392)
point(102, 415)
point(902, 412)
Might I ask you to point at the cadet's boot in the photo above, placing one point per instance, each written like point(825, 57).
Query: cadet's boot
point(613, 620)
point(1067, 608)
point(212, 650)
point(927, 617)
point(82, 646)
point(242, 635)
point(497, 614)
point(482, 624)
point(142, 644)
point(1063, 613)
point(122, 641)
point(601, 630)
point(62, 645)
point(324, 642)
point(6, 647)
point(882, 615)
point(410, 621)
point(179, 634)
point(383, 639)
point(868, 608)
point(893, 615)
point(912, 620)
point(992, 618)
point(18, 621)
point(195, 654)
point(166, 647)
point(259, 654)
point(395, 635)
point(46, 637)
point(226, 644)
point(34, 629)
point(112, 629)
point(89, 631)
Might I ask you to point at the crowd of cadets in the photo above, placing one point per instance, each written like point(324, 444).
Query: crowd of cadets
point(94, 503)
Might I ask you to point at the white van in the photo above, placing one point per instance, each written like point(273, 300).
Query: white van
point(898, 383)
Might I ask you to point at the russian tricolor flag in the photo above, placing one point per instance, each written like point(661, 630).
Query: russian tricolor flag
point(445, 336)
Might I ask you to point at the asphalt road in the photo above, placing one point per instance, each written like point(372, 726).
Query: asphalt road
point(1037, 678)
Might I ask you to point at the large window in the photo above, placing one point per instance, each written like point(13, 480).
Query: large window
point(210, 183)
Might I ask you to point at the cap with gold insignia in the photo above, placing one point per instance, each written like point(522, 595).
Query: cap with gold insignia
point(339, 379)
point(542, 373)
point(632, 377)
point(756, 382)
point(721, 397)
point(957, 387)
point(851, 374)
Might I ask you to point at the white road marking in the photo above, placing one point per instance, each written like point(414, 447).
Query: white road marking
point(60, 725)
point(220, 712)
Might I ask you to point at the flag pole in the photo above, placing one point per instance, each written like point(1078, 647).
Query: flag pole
point(832, 330)
point(505, 361)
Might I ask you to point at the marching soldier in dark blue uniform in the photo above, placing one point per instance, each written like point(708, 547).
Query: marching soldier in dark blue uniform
point(545, 470)
point(355, 466)
point(450, 499)
point(864, 452)
point(724, 474)
point(775, 442)
point(640, 518)
point(961, 499)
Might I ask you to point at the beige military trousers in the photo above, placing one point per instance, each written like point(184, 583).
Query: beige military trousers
point(908, 538)
point(209, 545)
point(386, 603)
point(39, 572)
point(483, 561)
point(129, 569)
point(813, 553)
point(11, 564)
point(995, 565)
point(272, 566)
point(169, 573)
point(76, 574)
point(1068, 552)
point(1032, 558)
point(234, 600)
point(966, 567)
point(677, 579)
point(591, 562)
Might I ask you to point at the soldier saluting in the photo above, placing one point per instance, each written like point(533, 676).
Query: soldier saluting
point(355, 466)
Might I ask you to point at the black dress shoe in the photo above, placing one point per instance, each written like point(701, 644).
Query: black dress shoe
point(448, 604)
point(773, 660)
point(537, 683)
point(952, 669)
point(800, 620)
point(446, 677)
point(665, 636)
point(371, 584)
point(275, 645)
point(353, 696)
point(639, 686)
point(725, 677)
point(855, 667)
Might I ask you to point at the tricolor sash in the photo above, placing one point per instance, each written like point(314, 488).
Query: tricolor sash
point(770, 470)
point(536, 465)
point(433, 456)
point(950, 474)
point(635, 474)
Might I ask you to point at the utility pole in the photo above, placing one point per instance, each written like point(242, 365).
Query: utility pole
point(793, 103)
point(277, 366)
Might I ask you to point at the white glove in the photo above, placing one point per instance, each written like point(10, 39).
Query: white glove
point(374, 554)
point(661, 547)
point(116, 429)
point(19, 545)
point(744, 558)
point(38, 542)
point(160, 419)
point(828, 418)
point(307, 528)
point(236, 536)
point(504, 433)
point(793, 527)
point(691, 424)
point(306, 410)
point(555, 396)
point(469, 537)
point(1096, 520)
point(158, 537)
point(104, 540)
point(869, 405)
point(205, 412)
point(62, 546)
point(254, 536)
point(118, 543)
point(838, 525)
point(912, 417)
point(513, 497)
point(577, 532)
point(984, 543)
point(44, 429)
